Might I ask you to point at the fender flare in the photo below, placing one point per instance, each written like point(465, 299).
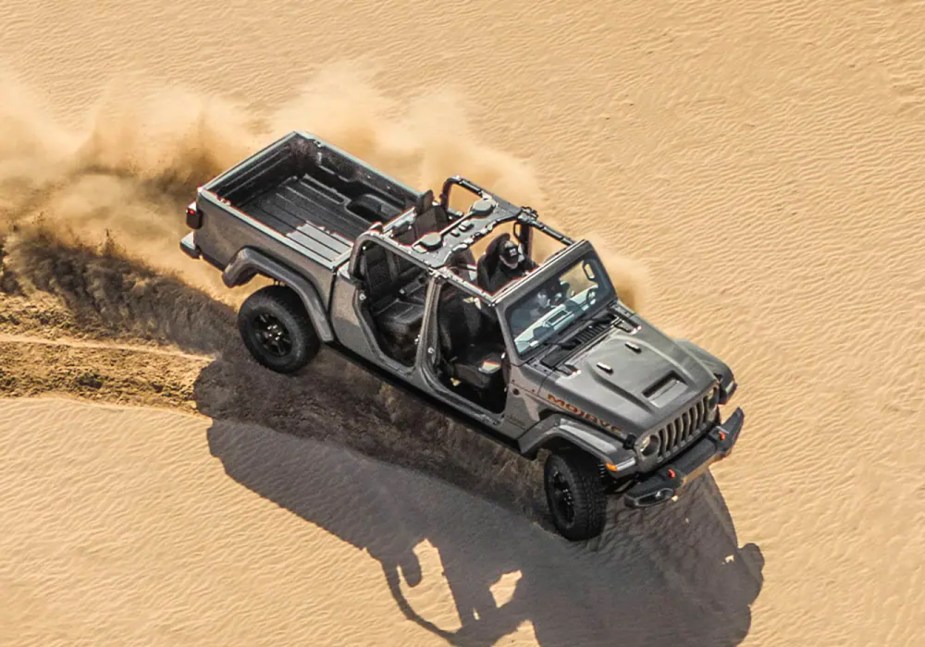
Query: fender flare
point(604, 447)
point(248, 261)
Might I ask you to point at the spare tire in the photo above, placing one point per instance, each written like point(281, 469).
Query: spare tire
point(276, 329)
point(575, 495)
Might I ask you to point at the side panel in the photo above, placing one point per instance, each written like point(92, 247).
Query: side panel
point(523, 404)
point(344, 317)
point(224, 232)
point(243, 248)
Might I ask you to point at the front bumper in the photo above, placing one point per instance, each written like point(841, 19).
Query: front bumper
point(662, 485)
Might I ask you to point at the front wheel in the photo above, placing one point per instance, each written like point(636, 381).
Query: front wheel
point(575, 495)
point(276, 329)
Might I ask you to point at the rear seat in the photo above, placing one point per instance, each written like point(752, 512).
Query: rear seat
point(400, 320)
point(399, 326)
point(397, 304)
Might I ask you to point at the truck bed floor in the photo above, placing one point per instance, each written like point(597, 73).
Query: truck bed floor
point(308, 213)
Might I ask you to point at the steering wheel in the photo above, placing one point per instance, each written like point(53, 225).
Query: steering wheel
point(558, 297)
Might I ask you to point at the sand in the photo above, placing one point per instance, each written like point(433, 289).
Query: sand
point(147, 525)
point(756, 176)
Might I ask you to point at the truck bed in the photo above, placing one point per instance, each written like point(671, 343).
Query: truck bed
point(316, 196)
point(306, 215)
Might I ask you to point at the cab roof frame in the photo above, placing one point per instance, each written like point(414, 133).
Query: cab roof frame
point(434, 251)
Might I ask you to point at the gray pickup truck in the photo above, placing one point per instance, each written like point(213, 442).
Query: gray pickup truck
point(485, 312)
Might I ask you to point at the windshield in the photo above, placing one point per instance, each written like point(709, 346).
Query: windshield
point(556, 304)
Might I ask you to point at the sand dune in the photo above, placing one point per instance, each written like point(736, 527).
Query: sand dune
point(763, 161)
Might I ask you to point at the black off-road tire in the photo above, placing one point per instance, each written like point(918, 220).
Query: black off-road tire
point(575, 494)
point(276, 329)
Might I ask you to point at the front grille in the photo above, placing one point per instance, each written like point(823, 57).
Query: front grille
point(687, 425)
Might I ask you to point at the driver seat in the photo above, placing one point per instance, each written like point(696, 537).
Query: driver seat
point(488, 262)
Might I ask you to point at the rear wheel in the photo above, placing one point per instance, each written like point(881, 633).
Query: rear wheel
point(575, 494)
point(276, 329)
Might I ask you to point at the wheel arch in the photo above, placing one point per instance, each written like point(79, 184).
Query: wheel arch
point(561, 433)
point(249, 262)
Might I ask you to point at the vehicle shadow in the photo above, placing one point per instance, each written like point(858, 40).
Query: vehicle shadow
point(674, 572)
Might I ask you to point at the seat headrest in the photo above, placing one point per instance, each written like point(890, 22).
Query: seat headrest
point(424, 202)
point(491, 256)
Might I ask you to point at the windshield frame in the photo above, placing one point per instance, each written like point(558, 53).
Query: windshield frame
point(557, 264)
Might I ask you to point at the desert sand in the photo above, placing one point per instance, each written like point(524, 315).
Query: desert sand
point(755, 176)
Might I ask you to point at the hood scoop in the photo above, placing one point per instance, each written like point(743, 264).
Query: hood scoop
point(665, 390)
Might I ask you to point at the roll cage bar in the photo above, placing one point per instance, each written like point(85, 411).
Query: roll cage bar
point(434, 250)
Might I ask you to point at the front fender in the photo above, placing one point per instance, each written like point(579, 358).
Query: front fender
point(557, 429)
point(719, 368)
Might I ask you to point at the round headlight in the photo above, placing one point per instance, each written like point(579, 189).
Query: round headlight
point(649, 445)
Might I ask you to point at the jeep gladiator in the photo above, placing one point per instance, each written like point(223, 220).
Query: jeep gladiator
point(406, 285)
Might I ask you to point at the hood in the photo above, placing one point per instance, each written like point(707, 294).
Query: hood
point(628, 382)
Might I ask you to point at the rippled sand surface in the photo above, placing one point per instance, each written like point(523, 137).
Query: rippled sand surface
point(762, 161)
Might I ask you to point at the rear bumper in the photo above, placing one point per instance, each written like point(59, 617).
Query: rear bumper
point(188, 245)
point(660, 486)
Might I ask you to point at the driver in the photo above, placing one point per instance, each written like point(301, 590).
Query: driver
point(545, 299)
point(512, 264)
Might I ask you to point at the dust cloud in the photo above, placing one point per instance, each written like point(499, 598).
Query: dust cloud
point(92, 217)
point(121, 182)
point(91, 220)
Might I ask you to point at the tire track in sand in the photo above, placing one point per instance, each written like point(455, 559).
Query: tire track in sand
point(98, 370)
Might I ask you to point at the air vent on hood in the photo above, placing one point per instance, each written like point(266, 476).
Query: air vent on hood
point(665, 390)
point(570, 346)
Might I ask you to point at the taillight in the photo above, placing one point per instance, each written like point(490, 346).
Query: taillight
point(193, 216)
